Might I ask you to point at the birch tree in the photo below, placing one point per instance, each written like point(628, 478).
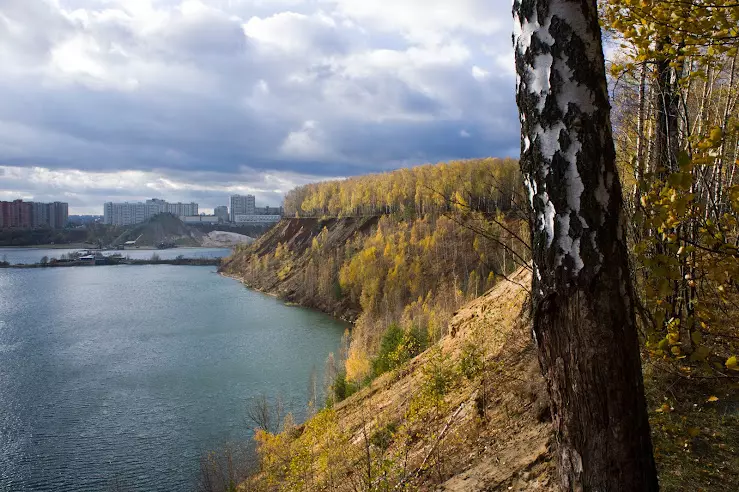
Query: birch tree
point(582, 300)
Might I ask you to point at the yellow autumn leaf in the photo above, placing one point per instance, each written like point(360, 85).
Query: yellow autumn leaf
point(665, 408)
point(732, 364)
point(712, 398)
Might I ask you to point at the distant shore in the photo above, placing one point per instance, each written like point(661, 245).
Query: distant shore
point(109, 262)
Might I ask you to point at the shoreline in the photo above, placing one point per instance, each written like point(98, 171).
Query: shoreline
point(284, 301)
point(271, 294)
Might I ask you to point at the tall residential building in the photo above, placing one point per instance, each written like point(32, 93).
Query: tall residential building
point(156, 206)
point(25, 215)
point(269, 210)
point(221, 212)
point(242, 205)
point(40, 214)
point(58, 213)
point(123, 214)
point(245, 211)
point(16, 214)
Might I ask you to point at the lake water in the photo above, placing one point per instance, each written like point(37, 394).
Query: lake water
point(17, 256)
point(127, 374)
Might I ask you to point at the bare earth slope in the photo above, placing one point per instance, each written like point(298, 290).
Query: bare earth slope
point(456, 449)
point(224, 239)
point(696, 444)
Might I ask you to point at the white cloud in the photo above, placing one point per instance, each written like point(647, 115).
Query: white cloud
point(479, 73)
point(295, 34)
point(428, 21)
point(307, 143)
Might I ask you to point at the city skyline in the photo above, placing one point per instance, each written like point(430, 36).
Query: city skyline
point(129, 213)
point(208, 209)
point(242, 209)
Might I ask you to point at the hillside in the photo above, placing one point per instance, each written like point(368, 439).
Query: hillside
point(486, 427)
point(485, 185)
point(162, 228)
point(287, 281)
point(167, 228)
point(378, 272)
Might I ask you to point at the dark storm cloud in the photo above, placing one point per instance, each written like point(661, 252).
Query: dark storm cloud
point(242, 89)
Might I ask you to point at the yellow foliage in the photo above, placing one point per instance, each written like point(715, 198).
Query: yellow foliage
point(418, 191)
point(358, 364)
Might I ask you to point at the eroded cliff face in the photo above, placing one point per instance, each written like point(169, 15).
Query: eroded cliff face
point(285, 262)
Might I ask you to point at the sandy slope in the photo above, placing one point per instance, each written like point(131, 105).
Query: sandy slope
point(510, 448)
point(224, 239)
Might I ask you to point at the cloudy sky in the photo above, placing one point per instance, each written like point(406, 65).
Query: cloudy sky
point(199, 99)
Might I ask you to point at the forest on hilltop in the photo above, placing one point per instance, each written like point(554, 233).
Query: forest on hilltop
point(486, 185)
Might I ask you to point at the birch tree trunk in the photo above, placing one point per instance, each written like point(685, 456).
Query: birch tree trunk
point(667, 143)
point(719, 183)
point(583, 312)
point(640, 145)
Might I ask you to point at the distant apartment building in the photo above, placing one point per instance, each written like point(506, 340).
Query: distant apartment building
point(40, 212)
point(16, 214)
point(156, 206)
point(202, 219)
point(27, 215)
point(257, 219)
point(129, 213)
point(245, 211)
point(222, 213)
point(56, 215)
point(242, 205)
point(268, 211)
